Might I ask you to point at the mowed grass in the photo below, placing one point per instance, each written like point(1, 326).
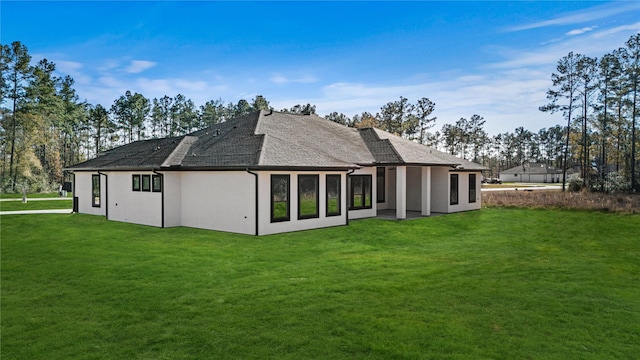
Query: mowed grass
point(36, 205)
point(498, 283)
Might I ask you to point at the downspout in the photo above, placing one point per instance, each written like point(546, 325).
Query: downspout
point(161, 197)
point(73, 191)
point(348, 197)
point(106, 194)
point(256, 182)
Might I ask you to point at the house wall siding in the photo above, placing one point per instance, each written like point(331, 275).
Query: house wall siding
point(83, 192)
point(172, 198)
point(294, 224)
point(366, 213)
point(139, 207)
point(218, 200)
point(440, 189)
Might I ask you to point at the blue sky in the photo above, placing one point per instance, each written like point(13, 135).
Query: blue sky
point(494, 59)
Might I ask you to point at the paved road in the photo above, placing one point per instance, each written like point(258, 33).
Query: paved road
point(525, 188)
point(24, 212)
point(38, 199)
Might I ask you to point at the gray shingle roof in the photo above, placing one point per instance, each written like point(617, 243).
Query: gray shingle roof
point(532, 168)
point(273, 140)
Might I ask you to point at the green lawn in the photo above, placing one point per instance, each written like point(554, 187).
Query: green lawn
point(29, 196)
point(491, 284)
point(36, 205)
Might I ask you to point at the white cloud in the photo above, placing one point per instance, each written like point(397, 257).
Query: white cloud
point(281, 79)
point(138, 66)
point(582, 16)
point(580, 31)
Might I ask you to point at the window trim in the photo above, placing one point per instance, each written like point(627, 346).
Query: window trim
point(288, 201)
point(93, 194)
point(148, 183)
point(454, 189)
point(379, 184)
point(133, 182)
point(472, 188)
point(365, 178)
point(317, 189)
point(339, 198)
point(153, 183)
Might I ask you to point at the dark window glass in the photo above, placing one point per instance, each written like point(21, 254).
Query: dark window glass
point(472, 188)
point(360, 186)
point(146, 182)
point(279, 198)
point(333, 195)
point(156, 181)
point(380, 185)
point(135, 182)
point(308, 202)
point(453, 194)
point(95, 190)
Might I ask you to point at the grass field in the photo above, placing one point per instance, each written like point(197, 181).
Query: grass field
point(36, 205)
point(499, 283)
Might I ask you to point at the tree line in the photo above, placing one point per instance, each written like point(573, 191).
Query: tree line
point(44, 127)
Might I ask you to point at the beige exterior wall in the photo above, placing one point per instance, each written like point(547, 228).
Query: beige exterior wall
point(365, 213)
point(217, 200)
point(265, 225)
point(83, 192)
point(138, 207)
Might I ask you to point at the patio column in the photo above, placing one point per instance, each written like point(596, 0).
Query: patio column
point(401, 192)
point(426, 191)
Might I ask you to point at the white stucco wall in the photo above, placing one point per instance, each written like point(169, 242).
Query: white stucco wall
point(83, 192)
point(440, 189)
point(172, 198)
point(139, 207)
point(366, 213)
point(463, 193)
point(218, 200)
point(294, 224)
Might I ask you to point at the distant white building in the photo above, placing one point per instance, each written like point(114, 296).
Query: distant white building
point(532, 173)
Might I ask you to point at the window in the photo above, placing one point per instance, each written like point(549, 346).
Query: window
point(279, 198)
point(360, 192)
point(380, 186)
point(333, 195)
point(308, 189)
point(453, 194)
point(472, 188)
point(146, 182)
point(95, 190)
point(135, 182)
point(156, 183)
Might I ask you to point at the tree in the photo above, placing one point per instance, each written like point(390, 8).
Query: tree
point(393, 116)
point(131, 112)
point(563, 98)
point(16, 72)
point(301, 109)
point(212, 112)
point(102, 126)
point(631, 68)
point(609, 73)
point(260, 103)
point(424, 108)
point(340, 118)
point(587, 72)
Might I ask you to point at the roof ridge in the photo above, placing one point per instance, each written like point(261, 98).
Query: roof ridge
point(179, 152)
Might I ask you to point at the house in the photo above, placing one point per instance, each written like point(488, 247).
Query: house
point(532, 173)
point(269, 172)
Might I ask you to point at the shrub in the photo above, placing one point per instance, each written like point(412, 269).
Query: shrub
point(575, 183)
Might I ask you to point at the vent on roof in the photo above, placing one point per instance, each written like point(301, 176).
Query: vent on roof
point(269, 113)
point(216, 132)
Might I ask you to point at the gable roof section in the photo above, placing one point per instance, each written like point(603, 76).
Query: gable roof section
point(273, 140)
point(145, 154)
point(532, 168)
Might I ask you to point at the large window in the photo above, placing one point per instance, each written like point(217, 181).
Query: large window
point(472, 188)
point(95, 190)
point(146, 182)
point(279, 198)
point(135, 182)
point(453, 193)
point(380, 186)
point(333, 195)
point(360, 186)
point(156, 183)
point(308, 202)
